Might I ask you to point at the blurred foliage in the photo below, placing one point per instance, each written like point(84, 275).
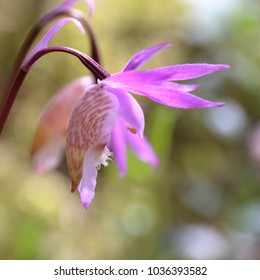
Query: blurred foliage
point(204, 200)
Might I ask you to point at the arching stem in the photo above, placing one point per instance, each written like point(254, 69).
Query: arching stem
point(94, 67)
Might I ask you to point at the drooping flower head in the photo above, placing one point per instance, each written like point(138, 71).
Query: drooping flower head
point(99, 117)
point(108, 115)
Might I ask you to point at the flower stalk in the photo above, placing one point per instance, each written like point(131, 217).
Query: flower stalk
point(95, 68)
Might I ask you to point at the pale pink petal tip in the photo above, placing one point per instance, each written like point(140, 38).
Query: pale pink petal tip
point(92, 162)
point(69, 3)
point(88, 182)
point(91, 7)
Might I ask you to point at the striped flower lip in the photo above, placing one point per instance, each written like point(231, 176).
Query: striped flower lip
point(108, 116)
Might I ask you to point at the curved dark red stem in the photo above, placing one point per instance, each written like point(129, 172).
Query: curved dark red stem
point(97, 70)
point(93, 66)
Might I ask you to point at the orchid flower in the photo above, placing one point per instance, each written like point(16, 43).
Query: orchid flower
point(107, 114)
point(96, 115)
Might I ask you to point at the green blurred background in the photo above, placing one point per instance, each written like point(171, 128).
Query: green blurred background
point(204, 200)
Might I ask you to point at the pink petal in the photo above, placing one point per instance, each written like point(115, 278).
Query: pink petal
point(179, 87)
point(159, 75)
point(67, 4)
point(120, 79)
point(180, 72)
point(143, 56)
point(91, 7)
point(129, 110)
point(88, 182)
point(171, 97)
point(142, 149)
point(118, 146)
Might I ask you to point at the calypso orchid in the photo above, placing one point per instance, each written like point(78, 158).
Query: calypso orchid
point(99, 117)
